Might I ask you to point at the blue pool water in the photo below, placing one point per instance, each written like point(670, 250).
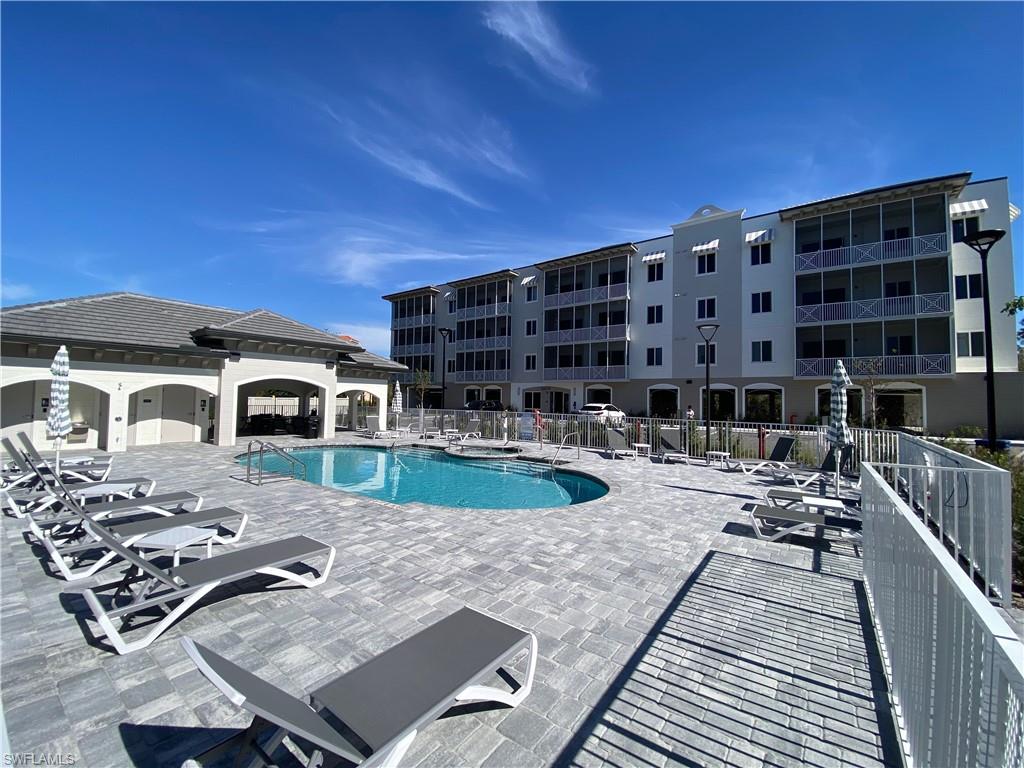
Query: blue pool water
point(405, 475)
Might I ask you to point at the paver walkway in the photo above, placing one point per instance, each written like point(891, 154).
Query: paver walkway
point(668, 635)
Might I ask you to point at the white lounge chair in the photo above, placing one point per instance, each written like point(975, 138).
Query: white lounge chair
point(778, 458)
point(617, 444)
point(672, 444)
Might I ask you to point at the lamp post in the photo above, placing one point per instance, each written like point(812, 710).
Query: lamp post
point(982, 242)
point(707, 332)
point(445, 333)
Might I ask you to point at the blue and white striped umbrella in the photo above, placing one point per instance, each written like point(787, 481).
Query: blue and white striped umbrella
point(396, 400)
point(58, 418)
point(839, 433)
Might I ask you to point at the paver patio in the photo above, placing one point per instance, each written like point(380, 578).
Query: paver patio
point(668, 634)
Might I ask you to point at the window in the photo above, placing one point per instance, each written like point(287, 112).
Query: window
point(761, 352)
point(760, 254)
point(970, 344)
point(898, 345)
point(706, 263)
point(968, 286)
point(655, 272)
point(898, 288)
point(654, 355)
point(530, 363)
point(713, 346)
point(531, 400)
point(531, 295)
point(451, 366)
point(531, 327)
point(451, 306)
point(472, 393)
point(761, 302)
point(964, 227)
point(654, 314)
point(707, 308)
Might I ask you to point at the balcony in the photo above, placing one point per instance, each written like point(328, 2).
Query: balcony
point(486, 342)
point(871, 309)
point(888, 365)
point(480, 376)
point(588, 373)
point(412, 349)
point(412, 321)
point(869, 253)
point(587, 295)
point(594, 333)
point(483, 310)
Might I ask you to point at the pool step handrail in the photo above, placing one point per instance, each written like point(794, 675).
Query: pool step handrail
point(264, 446)
point(561, 445)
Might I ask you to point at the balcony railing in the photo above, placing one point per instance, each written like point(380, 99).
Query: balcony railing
point(412, 349)
point(887, 365)
point(594, 333)
point(869, 309)
point(587, 372)
point(412, 321)
point(867, 253)
point(482, 376)
point(587, 295)
point(484, 310)
point(486, 342)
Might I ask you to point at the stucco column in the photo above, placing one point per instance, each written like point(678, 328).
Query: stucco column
point(381, 391)
point(117, 420)
point(328, 409)
point(226, 425)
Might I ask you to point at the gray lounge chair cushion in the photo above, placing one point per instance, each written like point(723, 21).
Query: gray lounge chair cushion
point(241, 562)
point(202, 519)
point(798, 516)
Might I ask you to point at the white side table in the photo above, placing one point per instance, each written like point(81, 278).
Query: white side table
point(645, 447)
point(719, 456)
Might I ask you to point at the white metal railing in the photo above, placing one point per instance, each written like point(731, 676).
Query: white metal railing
point(877, 365)
point(480, 376)
point(412, 349)
point(412, 320)
point(484, 342)
point(483, 310)
point(587, 295)
point(955, 667)
point(591, 333)
point(868, 309)
point(585, 372)
point(867, 253)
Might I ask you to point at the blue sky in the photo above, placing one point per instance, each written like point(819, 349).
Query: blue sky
point(310, 157)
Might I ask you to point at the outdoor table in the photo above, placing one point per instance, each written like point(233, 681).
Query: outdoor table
point(645, 447)
point(719, 456)
point(178, 539)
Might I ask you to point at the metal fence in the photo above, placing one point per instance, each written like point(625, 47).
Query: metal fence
point(955, 667)
point(742, 439)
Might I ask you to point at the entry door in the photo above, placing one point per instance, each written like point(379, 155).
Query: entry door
point(177, 423)
point(147, 416)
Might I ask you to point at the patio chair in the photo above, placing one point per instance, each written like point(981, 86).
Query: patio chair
point(16, 477)
point(617, 444)
point(672, 444)
point(66, 525)
point(371, 714)
point(373, 428)
point(786, 498)
point(472, 432)
point(774, 523)
point(66, 461)
point(778, 458)
point(802, 478)
point(43, 501)
point(147, 586)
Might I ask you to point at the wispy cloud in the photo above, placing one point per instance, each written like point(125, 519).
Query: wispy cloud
point(15, 292)
point(375, 338)
point(525, 25)
point(107, 274)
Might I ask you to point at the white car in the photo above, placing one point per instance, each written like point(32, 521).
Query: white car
point(604, 413)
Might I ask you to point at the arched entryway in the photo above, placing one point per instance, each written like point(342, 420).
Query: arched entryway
point(352, 408)
point(268, 407)
point(26, 405)
point(598, 394)
point(723, 402)
point(764, 403)
point(169, 413)
point(663, 401)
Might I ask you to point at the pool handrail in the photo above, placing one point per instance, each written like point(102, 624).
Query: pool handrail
point(264, 446)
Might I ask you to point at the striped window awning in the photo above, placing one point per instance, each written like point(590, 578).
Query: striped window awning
point(449, 296)
point(967, 208)
point(1014, 212)
point(529, 280)
point(653, 258)
point(709, 247)
point(761, 236)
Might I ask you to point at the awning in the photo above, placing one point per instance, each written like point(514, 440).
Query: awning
point(761, 236)
point(530, 280)
point(653, 258)
point(1014, 213)
point(449, 296)
point(709, 247)
point(967, 208)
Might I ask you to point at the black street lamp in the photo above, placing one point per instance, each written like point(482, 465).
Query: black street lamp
point(445, 333)
point(982, 242)
point(707, 332)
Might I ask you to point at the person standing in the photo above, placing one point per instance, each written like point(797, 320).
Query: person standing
point(690, 413)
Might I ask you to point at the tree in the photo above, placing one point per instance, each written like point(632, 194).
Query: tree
point(1011, 309)
point(868, 370)
point(421, 382)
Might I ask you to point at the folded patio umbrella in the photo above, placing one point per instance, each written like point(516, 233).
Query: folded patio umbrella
point(58, 419)
point(839, 433)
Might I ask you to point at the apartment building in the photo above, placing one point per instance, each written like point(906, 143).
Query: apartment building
point(879, 278)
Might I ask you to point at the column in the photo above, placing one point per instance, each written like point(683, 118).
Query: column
point(117, 420)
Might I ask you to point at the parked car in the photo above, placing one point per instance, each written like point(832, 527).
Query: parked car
point(483, 405)
point(604, 413)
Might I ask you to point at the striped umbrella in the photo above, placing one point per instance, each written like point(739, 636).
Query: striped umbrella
point(396, 400)
point(58, 419)
point(839, 434)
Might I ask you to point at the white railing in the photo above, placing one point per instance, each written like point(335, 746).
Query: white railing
point(413, 320)
point(881, 365)
point(585, 372)
point(955, 667)
point(868, 309)
point(485, 342)
point(587, 295)
point(592, 333)
point(867, 253)
point(483, 310)
point(480, 376)
point(412, 349)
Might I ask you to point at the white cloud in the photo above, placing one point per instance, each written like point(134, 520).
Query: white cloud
point(15, 292)
point(375, 338)
point(525, 25)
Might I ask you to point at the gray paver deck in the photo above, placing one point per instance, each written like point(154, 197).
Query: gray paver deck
point(668, 634)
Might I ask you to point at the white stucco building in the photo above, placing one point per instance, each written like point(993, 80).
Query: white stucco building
point(147, 370)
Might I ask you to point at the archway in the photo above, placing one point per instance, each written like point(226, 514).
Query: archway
point(723, 402)
point(598, 394)
point(352, 408)
point(26, 405)
point(169, 413)
point(279, 406)
point(663, 401)
point(765, 403)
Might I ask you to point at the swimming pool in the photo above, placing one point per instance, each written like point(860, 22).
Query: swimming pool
point(408, 475)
